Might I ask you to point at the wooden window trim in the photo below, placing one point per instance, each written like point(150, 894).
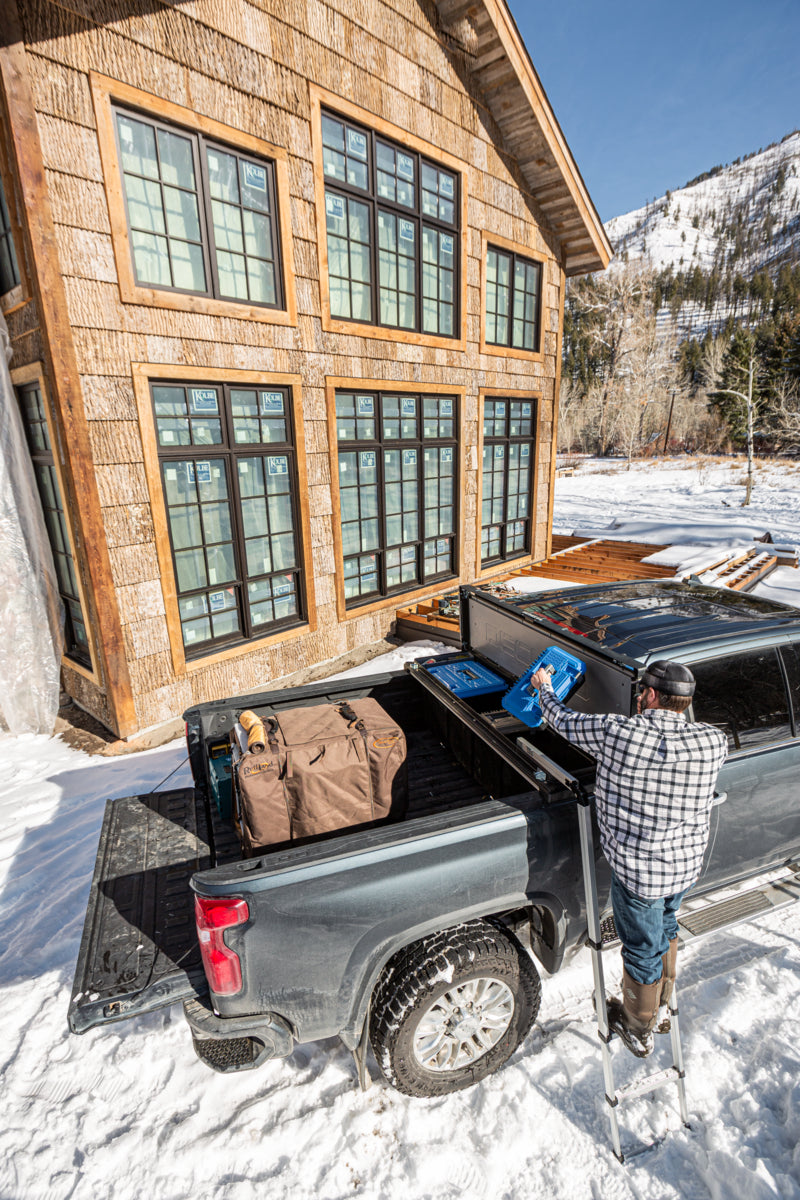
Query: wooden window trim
point(399, 599)
point(320, 98)
point(502, 568)
point(490, 239)
point(143, 374)
point(20, 377)
point(106, 92)
point(21, 293)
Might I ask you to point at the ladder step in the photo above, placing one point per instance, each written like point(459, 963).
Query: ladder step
point(648, 1083)
point(739, 908)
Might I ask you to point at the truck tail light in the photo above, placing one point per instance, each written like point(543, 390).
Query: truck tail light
point(213, 915)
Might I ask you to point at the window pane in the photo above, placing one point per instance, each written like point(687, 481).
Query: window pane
point(232, 275)
point(223, 177)
point(227, 227)
point(725, 697)
point(188, 267)
point(177, 160)
point(137, 142)
point(151, 258)
point(182, 216)
point(254, 183)
point(145, 208)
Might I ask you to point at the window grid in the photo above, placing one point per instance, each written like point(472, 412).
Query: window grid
point(230, 491)
point(392, 222)
point(513, 299)
point(508, 443)
point(398, 494)
point(76, 640)
point(202, 218)
point(9, 267)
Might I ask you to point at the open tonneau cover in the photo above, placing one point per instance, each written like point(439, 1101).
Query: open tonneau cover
point(139, 947)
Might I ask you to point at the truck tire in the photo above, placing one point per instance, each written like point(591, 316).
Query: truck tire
point(452, 1008)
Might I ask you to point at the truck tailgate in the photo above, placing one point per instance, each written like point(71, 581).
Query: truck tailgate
point(139, 947)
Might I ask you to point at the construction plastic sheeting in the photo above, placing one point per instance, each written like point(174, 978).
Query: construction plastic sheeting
point(31, 613)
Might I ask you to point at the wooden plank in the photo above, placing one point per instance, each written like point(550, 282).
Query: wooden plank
point(71, 419)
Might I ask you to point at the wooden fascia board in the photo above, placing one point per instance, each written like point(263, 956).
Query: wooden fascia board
point(48, 284)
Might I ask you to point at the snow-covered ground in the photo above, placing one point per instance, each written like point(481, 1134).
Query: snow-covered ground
point(128, 1111)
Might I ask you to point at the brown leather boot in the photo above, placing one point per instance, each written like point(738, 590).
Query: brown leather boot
point(634, 1017)
point(668, 966)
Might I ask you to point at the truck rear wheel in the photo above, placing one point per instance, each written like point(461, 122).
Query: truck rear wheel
point(451, 1009)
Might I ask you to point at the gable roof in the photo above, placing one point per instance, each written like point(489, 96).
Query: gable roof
point(500, 66)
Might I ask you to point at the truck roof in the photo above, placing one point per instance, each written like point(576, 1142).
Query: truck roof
point(643, 619)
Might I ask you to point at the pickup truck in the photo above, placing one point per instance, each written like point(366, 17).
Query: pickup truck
point(420, 937)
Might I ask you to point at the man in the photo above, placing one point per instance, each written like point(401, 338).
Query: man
point(654, 790)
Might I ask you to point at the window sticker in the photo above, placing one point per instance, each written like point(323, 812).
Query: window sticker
point(281, 589)
point(524, 451)
point(445, 408)
point(409, 458)
point(255, 176)
point(216, 601)
point(357, 143)
point(199, 471)
point(527, 410)
point(499, 451)
point(408, 406)
point(367, 460)
point(408, 554)
point(203, 400)
point(278, 464)
point(272, 402)
point(446, 187)
point(407, 231)
point(172, 474)
point(167, 435)
point(334, 206)
point(366, 406)
point(446, 243)
point(405, 165)
point(442, 546)
point(446, 454)
point(500, 408)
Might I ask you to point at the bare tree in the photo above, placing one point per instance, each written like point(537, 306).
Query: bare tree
point(747, 371)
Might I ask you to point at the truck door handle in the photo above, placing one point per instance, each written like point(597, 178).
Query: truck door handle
point(719, 798)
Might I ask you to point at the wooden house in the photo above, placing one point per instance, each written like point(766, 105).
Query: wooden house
point(284, 281)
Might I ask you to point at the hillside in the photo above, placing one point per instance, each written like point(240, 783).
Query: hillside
point(719, 242)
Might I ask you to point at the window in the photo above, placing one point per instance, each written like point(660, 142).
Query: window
point(9, 268)
point(201, 216)
point(507, 477)
point(744, 696)
point(392, 219)
point(513, 288)
point(398, 489)
point(76, 642)
point(230, 489)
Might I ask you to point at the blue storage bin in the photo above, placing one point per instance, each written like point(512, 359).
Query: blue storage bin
point(523, 704)
point(468, 678)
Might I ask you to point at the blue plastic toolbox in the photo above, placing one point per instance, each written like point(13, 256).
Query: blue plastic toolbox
point(468, 678)
point(567, 671)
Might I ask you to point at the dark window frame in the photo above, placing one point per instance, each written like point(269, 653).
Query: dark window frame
point(375, 204)
point(201, 142)
point(378, 445)
point(10, 277)
point(231, 452)
point(507, 440)
point(515, 257)
point(42, 457)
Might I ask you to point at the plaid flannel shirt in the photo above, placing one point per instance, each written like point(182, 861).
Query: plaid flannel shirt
point(654, 790)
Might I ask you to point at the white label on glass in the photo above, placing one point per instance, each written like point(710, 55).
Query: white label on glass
point(408, 407)
point(255, 176)
point(446, 186)
point(167, 435)
point(366, 406)
point(409, 458)
point(446, 243)
point(407, 231)
point(445, 408)
point(527, 409)
point(442, 546)
point(172, 474)
point(272, 402)
point(278, 465)
point(190, 634)
point(408, 554)
point(447, 454)
point(500, 408)
point(405, 166)
point(367, 458)
point(212, 574)
point(204, 400)
point(281, 589)
point(499, 451)
point(357, 143)
point(524, 451)
point(216, 601)
point(334, 206)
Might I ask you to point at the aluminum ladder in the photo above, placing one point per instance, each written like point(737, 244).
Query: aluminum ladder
point(646, 1083)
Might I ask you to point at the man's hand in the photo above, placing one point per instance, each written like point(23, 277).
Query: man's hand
point(541, 679)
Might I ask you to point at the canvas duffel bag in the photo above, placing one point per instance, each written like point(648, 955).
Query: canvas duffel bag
point(322, 768)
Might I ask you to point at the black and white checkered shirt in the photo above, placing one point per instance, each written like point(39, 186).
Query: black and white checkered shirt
point(654, 788)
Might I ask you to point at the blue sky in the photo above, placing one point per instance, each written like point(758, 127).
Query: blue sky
point(650, 95)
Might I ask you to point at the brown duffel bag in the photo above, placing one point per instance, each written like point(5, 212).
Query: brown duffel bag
point(321, 768)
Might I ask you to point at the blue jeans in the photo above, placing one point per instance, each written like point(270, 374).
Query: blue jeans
point(645, 928)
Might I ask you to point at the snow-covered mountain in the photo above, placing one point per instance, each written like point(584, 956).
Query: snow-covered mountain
point(734, 221)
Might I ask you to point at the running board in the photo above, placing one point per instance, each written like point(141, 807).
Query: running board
point(712, 918)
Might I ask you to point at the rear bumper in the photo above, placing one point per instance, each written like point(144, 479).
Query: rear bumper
point(228, 1044)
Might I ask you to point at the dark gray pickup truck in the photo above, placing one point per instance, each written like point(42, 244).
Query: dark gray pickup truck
point(420, 936)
